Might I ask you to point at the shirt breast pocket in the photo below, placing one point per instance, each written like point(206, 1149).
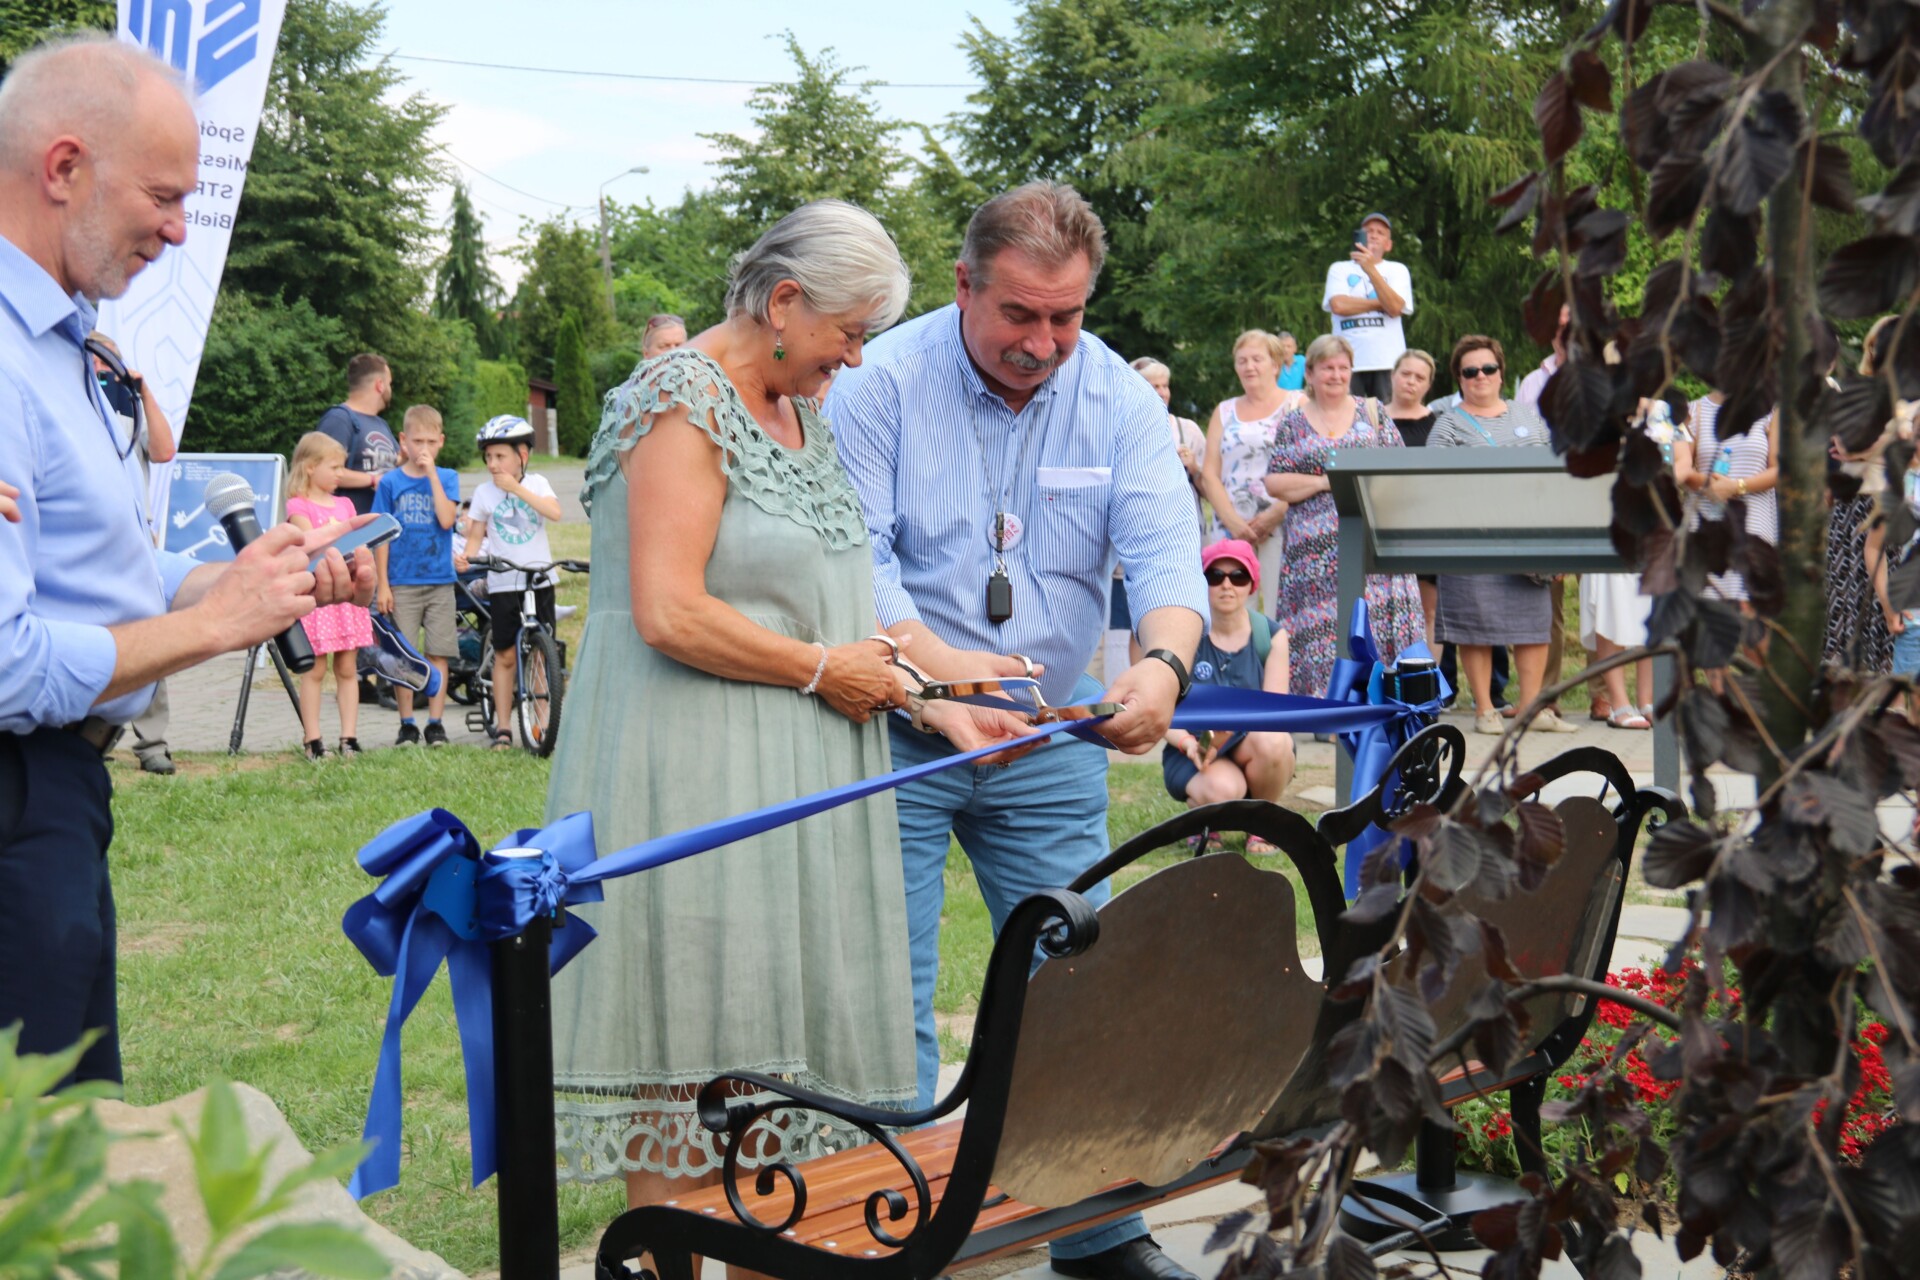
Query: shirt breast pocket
point(1071, 537)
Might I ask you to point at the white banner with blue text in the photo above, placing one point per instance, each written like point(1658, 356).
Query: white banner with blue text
point(223, 49)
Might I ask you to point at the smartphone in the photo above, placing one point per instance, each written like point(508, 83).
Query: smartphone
point(1360, 237)
point(381, 529)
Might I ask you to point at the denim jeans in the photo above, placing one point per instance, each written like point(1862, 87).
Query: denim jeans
point(1035, 824)
point(1906, 650)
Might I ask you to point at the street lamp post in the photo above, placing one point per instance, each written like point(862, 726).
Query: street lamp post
point(606, 251)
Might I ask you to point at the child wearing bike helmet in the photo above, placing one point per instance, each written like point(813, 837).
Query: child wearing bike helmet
point(507, 522)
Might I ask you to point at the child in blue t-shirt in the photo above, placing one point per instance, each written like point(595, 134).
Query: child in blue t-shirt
point(416, 569)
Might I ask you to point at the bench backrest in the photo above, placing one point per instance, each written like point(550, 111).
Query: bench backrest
point(1140, 1056)
point(1556, 929)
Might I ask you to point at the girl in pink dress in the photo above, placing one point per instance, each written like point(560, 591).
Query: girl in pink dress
point(339, 629)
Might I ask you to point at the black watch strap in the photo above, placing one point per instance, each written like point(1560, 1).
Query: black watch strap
point(1172, 659)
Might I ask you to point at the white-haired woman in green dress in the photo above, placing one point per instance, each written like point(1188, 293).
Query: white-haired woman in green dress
point(726, 666)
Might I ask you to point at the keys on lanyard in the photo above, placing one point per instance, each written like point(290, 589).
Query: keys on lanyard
point(999, 585)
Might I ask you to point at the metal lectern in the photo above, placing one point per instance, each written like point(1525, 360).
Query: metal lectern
point(1475, 511)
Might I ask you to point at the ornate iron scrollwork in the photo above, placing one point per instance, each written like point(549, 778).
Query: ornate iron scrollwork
point(732, 1120)
point(1425, 768)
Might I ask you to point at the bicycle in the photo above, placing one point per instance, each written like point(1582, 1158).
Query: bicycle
point(539, 677)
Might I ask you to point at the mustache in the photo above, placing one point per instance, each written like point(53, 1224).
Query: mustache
point(1030, 364)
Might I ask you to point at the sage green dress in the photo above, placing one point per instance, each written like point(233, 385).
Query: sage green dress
point(784, 954)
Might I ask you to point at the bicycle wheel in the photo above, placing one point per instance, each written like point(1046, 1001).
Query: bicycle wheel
point(537, 700)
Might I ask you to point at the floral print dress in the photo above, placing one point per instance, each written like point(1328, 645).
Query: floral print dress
point(1309, 586)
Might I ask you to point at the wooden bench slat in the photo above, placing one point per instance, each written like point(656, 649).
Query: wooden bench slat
point(844, 1178)
point(838, 1186)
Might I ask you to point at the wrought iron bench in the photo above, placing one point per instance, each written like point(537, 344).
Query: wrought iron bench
point(1076, 1117)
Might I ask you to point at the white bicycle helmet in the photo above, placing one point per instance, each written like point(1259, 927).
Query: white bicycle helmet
point(507, 428)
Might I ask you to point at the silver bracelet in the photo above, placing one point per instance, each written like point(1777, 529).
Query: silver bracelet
point(817, 672)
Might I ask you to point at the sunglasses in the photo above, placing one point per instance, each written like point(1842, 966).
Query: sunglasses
point(117, 372)
point(1484, 371)
point(1238, 577)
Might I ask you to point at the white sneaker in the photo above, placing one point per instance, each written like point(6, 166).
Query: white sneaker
point(1549, 721)
point(1489, 722)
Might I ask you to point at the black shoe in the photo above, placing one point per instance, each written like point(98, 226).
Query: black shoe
point(436, 734)
point(1137, 1259)
point(315, 749)
point(349, 746)
point(159, 762)
point(409, 735)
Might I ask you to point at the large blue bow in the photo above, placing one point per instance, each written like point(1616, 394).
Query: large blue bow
point(441, 898)
point(1357, 680)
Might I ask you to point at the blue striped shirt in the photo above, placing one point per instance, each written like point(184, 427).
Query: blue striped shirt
point(1088, 467)
point(80, 560)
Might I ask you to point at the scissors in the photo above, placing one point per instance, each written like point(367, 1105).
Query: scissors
point(1002, 693)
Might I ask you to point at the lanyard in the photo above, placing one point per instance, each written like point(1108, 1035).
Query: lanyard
point(998, 496)
point(1484, 433)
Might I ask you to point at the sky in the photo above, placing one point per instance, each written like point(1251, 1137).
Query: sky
point(528, 143)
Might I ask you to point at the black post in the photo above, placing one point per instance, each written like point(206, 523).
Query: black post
point(1666, 743)
point(1350, 586)
point(523, 1103)
point(1435, 1165)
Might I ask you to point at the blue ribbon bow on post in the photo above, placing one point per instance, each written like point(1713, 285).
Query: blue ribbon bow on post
point(1359, 679)
point(441, 898)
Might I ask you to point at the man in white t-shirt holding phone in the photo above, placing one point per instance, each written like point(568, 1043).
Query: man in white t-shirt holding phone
point(1366, 296)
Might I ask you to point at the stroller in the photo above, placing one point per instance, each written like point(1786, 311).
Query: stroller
point(472, 621)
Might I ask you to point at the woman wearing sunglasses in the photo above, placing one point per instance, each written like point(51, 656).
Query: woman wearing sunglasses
point(1479, 611)
point(1241, 650)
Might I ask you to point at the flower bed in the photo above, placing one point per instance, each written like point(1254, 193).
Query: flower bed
point(1484, 1133)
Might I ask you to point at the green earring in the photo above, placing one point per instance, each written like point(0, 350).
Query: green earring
point(779, 351)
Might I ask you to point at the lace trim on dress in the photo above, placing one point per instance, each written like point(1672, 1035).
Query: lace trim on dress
point(601, 1137)
point(807, 486)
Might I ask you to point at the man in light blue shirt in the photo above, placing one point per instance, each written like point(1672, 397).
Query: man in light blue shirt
point(1005, 459)
point(98, 151)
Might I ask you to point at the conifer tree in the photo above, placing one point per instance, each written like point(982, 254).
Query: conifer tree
point(579, 407)
point(464, 286)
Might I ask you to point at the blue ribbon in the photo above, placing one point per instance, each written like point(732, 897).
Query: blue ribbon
point(440, 898)
point(1357, 680)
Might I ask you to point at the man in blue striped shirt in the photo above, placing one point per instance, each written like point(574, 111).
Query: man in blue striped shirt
point(1005, 458)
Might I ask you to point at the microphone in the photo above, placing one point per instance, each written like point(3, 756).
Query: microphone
point(229, 500)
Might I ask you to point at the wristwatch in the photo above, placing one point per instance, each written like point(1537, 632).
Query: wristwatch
point(1172, 659)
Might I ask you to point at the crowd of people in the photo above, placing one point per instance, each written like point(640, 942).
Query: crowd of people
point(797, 527)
